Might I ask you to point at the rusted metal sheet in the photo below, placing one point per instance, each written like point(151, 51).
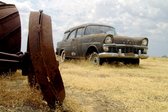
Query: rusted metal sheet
point(9, 62)
point(10, 29)
point(43, 58)
point(10, 38)
point(39, 63)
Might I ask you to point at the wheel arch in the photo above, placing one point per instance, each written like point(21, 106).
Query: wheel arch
point(61, 51)
point(90, 50)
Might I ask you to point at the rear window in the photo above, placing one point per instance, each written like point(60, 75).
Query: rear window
point(66, 35)
point(72, 35)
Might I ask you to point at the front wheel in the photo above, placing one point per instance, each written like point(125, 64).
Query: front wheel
point(95, 59)
point(132, 61)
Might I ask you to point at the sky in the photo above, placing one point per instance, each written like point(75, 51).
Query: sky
point(135, 18)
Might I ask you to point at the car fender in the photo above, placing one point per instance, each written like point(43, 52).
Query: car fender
point(91, 49)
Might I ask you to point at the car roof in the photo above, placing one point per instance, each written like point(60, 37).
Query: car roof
point(84, 25)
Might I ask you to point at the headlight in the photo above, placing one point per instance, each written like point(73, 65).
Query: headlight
point(108, 40)
point(105, 48)
point(145, 42)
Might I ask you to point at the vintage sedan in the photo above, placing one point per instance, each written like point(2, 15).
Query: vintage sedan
point(100, 43)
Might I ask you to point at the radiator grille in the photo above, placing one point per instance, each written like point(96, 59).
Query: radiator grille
point(126, 50)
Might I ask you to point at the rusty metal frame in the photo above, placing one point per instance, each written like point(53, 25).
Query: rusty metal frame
point(43, 58)
point(10, 29)
point(39, 62)
point(10, 38)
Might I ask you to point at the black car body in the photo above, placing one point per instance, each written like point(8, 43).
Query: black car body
point(100, 42)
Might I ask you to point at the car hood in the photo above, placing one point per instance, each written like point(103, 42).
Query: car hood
point(128, 40)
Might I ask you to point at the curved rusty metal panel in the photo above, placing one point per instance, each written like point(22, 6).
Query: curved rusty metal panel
point(44, 62)
point(10, 29)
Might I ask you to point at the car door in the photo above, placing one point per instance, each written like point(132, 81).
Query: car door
point(77, 43)
point(76, 51)
point(71, 50)
point(65, 44)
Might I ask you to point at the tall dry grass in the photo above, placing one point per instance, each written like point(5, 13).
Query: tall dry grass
point(89, 88)
point(16, 96)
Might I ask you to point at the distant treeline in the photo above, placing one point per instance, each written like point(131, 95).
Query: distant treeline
point(164, 56)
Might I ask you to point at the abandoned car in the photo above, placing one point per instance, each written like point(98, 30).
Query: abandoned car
point(100, 43)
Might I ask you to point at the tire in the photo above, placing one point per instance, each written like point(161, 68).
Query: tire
point(94, 59)
point(63, 56)
point(132, 61)
point(135, 61)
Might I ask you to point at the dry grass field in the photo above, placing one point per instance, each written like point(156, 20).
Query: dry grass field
point(89, 88)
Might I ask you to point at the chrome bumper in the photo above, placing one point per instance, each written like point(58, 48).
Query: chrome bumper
point(122, 55)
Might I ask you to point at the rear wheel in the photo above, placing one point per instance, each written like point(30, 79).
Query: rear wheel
point(63, 56)
point(135, 61)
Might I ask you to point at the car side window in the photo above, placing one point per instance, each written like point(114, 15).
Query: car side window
point(72, 35)
point(80, 32)
point(90, 30)
point(99, 29)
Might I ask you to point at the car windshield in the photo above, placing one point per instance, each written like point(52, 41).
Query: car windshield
point(100, 29)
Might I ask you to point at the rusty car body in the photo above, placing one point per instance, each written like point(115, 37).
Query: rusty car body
point(100, 43)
